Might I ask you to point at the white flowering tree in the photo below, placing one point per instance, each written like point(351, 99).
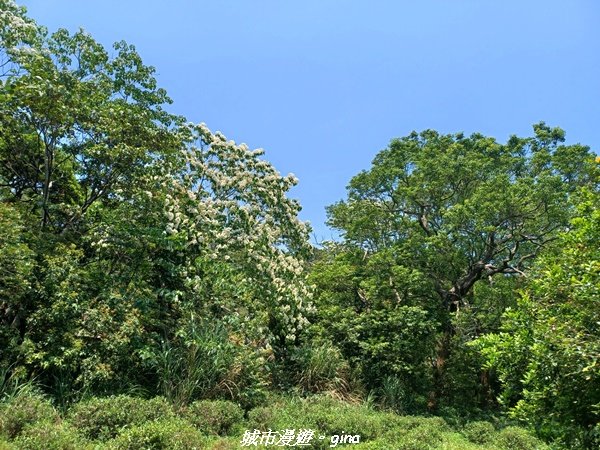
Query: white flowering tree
point(230, 207)
point(233, 236)
point(217, 253)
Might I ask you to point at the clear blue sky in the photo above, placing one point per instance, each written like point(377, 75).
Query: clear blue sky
point(323, 85)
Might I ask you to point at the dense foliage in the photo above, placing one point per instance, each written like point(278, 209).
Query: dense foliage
point(436, 236)
point(138, 249)
point(157, 289)
point(554, 382)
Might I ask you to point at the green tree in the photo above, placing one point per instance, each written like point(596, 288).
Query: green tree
point(16, 267)
point(375, 310)
point(81, 133)
point(454, 210)
point(77, 126)
point(547, 353)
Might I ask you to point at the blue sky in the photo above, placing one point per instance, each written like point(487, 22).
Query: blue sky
point(323, 85)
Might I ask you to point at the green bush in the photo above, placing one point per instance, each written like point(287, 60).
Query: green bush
point(420, 438)
point(23, 410)
point(169, 434)
point(214, 416)
point(479, 432)
point(50, 436)
point(417, 433)
point(353, 420)
point(515, 438)
point(376, 444)
point(103, 418)
point(546, 351)
point(326, 416)
point(4, 445)
point(377, 429)
point(232, 443)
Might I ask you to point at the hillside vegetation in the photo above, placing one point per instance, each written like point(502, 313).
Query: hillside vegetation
point(158, 290)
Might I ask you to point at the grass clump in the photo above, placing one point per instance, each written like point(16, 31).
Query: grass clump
point(321, 368)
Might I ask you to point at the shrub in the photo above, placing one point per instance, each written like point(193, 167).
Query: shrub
point(23, 410)
point(103, 418)
point(261, 416)
point(376, 444)
point(326, 416)
point(515, 438)
point(417, 433)
point(382, 430)
point(169, 434)
point(479, 432)
point(420, 438)
point(214, 416)
point(351, 420)
point(4, 445)
point(50, 436)
point(232, 443)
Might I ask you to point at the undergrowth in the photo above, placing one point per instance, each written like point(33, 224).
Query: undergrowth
point(29, 421)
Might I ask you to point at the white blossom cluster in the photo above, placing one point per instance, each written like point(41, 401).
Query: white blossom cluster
point(14, 25)
point(231, 207)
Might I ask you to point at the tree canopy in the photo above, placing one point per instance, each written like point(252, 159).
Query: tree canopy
point(465, 208)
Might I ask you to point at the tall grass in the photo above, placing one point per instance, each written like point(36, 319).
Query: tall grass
point(202, 362)
point(14, 383)
point(320, 369)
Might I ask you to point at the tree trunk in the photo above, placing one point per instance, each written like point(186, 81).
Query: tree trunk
point(439, 367)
